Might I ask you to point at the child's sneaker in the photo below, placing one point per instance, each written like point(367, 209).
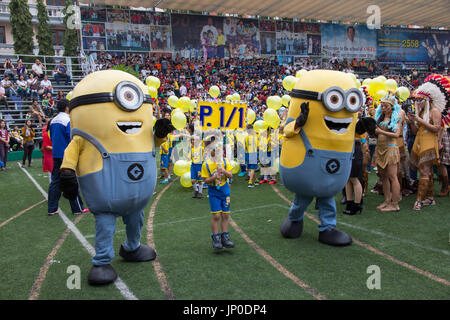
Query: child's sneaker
point(165, 181)
point(216, 241)
point(273, 181)
point(226, 242)
point(263, 181)
point(242, 174)
point(251, 185)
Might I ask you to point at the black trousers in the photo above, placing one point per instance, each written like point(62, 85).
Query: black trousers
point(27, 152)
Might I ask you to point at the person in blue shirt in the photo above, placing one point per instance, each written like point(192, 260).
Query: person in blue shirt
point(61, 73)
point(60, 136)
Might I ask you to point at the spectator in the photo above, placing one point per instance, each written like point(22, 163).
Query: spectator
point(28, 143)
point(4, 144)
point(38, 69)
point(59, 97)
point(33, 86)
point(22, 87)
point(36, 112)
point(3, 96)
point(8, 69)
point(60, 137)
point(21, 69)
point(15, 139)
point(8, 86)
point(61, 73)
point(48, 105)
point(47, 154)
point(46, 86)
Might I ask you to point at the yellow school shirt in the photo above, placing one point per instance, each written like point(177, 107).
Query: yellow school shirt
point(213, 168)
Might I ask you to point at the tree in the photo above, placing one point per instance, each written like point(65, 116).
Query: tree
point(70, 40)
point(44, 35)
point(22, 27)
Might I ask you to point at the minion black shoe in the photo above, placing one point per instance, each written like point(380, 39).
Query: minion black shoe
point(143, 253)
point(335, 238)
point(291, 229)
point(226, 242)
point(100, 275)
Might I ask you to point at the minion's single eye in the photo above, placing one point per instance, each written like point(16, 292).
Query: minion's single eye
point(354, 101)
point(128, 96)
point(334, 100)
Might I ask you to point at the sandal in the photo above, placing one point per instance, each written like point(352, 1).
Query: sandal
point(418, 205)
point(383, 205)
point(390, 208)
point(428, 202)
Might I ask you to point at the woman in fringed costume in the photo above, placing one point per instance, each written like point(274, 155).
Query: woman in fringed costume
point(431, 100)
point(387, 155)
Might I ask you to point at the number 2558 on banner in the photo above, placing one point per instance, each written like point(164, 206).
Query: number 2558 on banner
point(222, 115)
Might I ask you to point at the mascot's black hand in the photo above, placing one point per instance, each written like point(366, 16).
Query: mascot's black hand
point(163, 127)
point(68, 184)
point(370, 125)
point(301, 119)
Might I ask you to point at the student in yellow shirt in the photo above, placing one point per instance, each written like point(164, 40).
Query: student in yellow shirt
point(251, 155)
point(240, 151)
point(216, 174)
point(164, 162)
point(197, 149)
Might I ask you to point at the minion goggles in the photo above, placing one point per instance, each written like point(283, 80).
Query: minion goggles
point(127, 96)
point(334, 98)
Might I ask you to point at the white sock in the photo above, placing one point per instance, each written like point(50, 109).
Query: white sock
point(200, 187)
point(196, 187)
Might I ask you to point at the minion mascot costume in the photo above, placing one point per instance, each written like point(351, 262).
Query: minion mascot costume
point(112, 153)
point(317, 152)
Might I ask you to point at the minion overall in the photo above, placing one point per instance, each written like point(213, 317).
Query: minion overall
point(112, 153)
point(317, 150)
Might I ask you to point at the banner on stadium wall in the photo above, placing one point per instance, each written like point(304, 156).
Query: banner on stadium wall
point(196, 36)
point(348, 41)
point(222, 114)
point(413, 46)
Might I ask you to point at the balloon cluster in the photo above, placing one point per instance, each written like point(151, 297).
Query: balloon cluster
point(380, 86)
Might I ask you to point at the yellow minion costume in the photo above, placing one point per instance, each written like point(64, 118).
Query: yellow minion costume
point(112, 153)
point(317, 149)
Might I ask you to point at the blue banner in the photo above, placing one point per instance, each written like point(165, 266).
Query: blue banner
point(348, 41)
point(413, 46)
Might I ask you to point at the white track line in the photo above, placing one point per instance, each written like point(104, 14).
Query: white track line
point(202, 217)
point(124, 290)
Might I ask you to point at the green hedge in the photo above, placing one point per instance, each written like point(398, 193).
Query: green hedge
point(18, 155)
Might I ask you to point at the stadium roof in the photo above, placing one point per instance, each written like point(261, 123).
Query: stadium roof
point(432, 13)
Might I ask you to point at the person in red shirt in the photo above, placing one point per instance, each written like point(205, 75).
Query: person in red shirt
point(47, 151)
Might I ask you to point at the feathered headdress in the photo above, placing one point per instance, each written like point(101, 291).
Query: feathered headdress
point(436, 91)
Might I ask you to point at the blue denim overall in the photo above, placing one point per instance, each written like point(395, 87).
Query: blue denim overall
point(322, 174)
point(123, 187)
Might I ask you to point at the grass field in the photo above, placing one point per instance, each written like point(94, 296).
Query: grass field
point(410, 248)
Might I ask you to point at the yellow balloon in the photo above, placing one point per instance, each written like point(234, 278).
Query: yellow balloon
point(229, 97)
point(380, 94)
point(251, 115)
point(236, 166)
point(391, 85)
point(300, 73)
point(289, 82)
point(367, 82)
point(260, 125)
point(185, 180)
point(214, 91)
point(153, 92)
point(69, 95)
point(274, 102)
point(376, 85)
point(236, 96)
point(178, 119)
point(173, 101)
point(285, 100)
point(184, 103)
point(403, 93)
point(181, 167)
point(271, 118)
point(152, 81)
point(381, 78)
